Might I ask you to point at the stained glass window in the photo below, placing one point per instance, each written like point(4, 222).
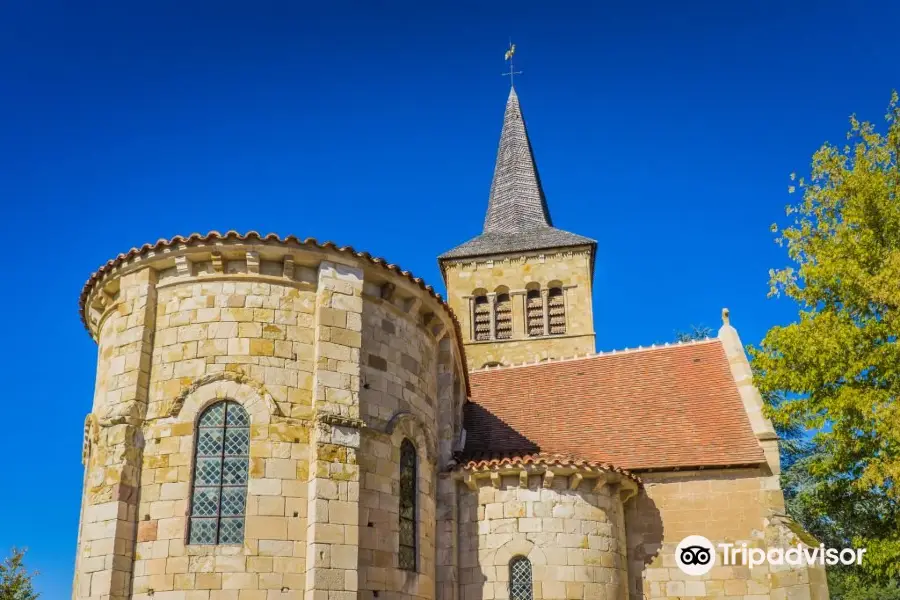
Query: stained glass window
point(221, 465)
point(520, 578)
point(408, 490)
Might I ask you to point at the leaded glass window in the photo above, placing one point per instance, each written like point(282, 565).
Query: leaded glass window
point(520, 578)
point(408, 490)
point(221, 466)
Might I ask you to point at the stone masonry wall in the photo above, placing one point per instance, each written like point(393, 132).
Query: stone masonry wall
point(723, 506)
point(574, 538)
point(295, 344)
point(398, 401)
point(571, 269)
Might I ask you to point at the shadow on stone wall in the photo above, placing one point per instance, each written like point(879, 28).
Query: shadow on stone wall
point(645, 538)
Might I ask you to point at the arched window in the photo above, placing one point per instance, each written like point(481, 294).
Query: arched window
point(221, 460)
point(481, 318)
point(534, 313)
point(520, 578)
point(556, 308)
point(408, 490)
point(503, 318)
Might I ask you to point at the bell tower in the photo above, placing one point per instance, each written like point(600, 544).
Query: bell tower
point(522, 288)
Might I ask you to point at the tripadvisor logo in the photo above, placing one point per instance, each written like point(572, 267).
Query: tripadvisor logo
point(696, 555)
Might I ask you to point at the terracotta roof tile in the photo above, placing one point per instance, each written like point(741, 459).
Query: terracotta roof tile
point(476, 463)
point(662, 408)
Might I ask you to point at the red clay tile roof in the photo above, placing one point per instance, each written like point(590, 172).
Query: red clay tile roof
point(662, 408)
point(476, 463)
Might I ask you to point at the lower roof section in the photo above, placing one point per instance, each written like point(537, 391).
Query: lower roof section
point(662, 408)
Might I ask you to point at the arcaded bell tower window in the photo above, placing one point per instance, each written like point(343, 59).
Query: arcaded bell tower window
point(221, 467)
point(534, 313)
point(520, 579)
point(556, 308)
point(481, 318)
point(504, 317)
point(408, 491)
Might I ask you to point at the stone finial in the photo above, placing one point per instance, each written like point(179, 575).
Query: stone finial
point(726, 319)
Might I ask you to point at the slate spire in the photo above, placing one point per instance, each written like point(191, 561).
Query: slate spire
point(517, 219)
point(517, 201)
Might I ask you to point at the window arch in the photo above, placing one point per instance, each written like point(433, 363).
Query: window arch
point(408, 491)
point(221, 467)
point(520, 579)
point(534, 312)
point(556, 310)
point(503, 316)
point(481, 318)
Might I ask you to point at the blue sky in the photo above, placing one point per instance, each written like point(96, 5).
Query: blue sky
point(666, 133)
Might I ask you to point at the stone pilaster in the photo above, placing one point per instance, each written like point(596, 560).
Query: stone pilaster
point(115, 443)
point(545, 305)
point(518, 314)
point(332, 556)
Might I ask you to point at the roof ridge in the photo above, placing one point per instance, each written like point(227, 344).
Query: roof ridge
point(614, 352)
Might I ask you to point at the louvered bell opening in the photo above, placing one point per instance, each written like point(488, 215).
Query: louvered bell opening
point(556, 309)
point(482, 319)
point(534, 313)
point(503, 317)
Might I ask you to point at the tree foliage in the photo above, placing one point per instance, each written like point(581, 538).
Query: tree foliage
point(696, 332)
point(836, 371)
point(15, 580)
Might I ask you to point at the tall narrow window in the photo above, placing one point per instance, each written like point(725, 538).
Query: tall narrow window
point(481, 318)
point(221, 461)
point(556, 307)
point(534, 313)
point(520, 578)
point(503, 317)
point(408, 489)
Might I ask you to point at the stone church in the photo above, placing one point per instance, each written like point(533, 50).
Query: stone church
point(277, 419)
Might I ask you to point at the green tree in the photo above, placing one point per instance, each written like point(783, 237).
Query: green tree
point(836, 371)
point(15, 580)
point(696, 332)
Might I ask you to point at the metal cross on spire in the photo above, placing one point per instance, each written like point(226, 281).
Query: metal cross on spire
point(509, 56)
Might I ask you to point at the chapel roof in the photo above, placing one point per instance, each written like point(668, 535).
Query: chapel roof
point(662, 408)
point(518, 218)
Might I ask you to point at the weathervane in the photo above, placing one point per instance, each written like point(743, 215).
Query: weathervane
point(509, 57)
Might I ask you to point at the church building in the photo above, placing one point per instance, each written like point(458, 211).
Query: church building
point(281, 418)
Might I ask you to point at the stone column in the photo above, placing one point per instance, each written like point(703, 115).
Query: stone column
point(109, 519)
point(518, 314)
point(545, 299)
point(332, 535)
point(492, 303)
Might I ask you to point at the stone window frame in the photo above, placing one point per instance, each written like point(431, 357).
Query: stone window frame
point(226, 403)
point(190, 404)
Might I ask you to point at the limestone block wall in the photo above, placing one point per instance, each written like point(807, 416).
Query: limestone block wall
point(287, 331)
point(399, 400)
point(570, 269)
point(572, 532)
point(725, 506)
